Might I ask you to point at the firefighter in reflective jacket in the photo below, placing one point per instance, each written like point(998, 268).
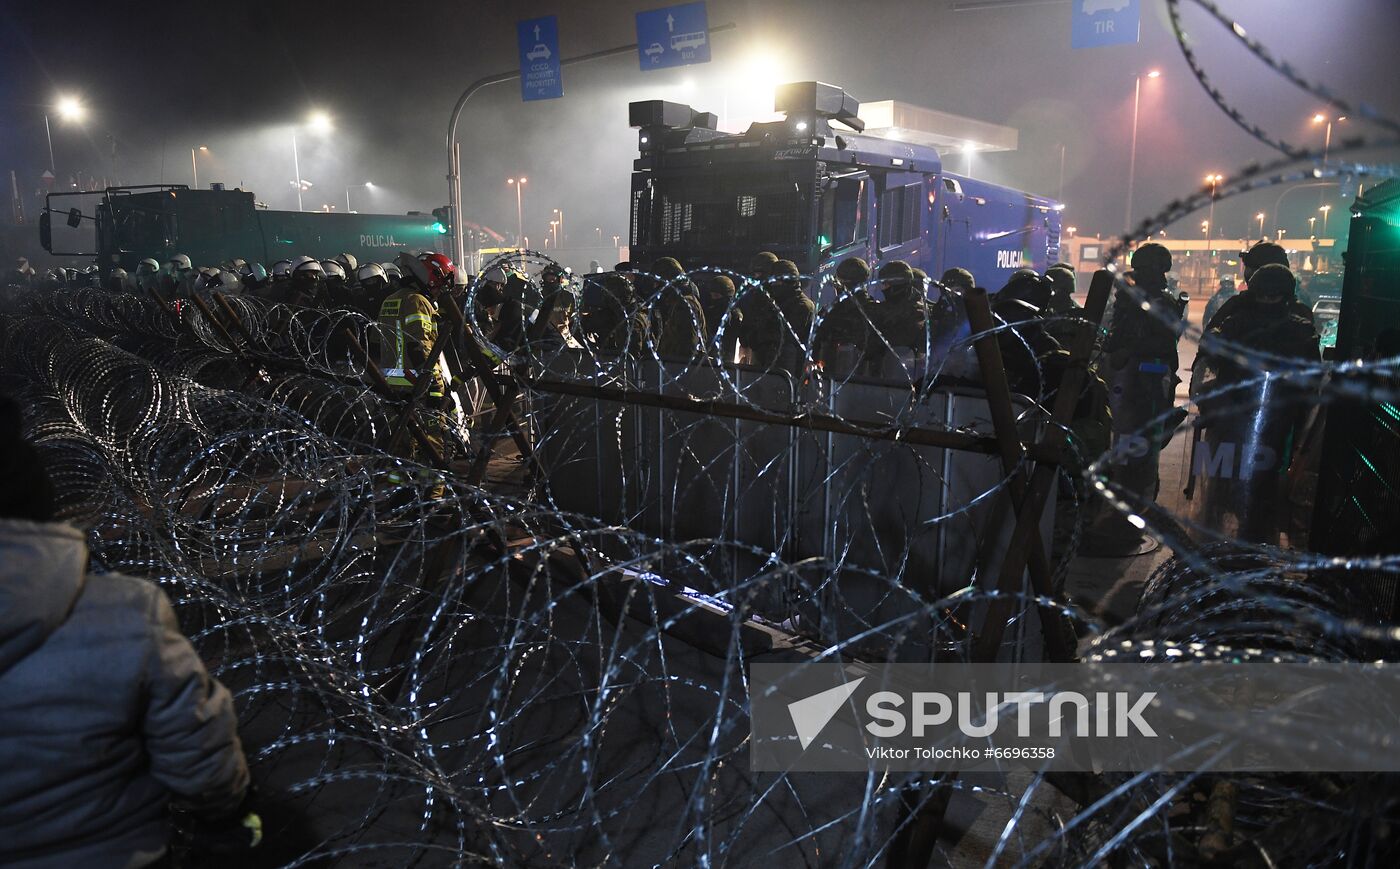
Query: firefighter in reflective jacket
point(408, 323)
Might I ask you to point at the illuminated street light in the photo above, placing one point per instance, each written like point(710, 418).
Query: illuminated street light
point(194, 165)
point(1327, 137)
point(319, 122)
point(368, 185)
point(70, 110)
point(1312, 223)
point(1326, 210)
point(1260, 217)
point(1071, 230)
point(518, 183)
point(1132, 151)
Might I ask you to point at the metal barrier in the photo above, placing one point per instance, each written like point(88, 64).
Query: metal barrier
point(873, 511)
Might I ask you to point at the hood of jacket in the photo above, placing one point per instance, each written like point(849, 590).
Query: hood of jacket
point(43, 566)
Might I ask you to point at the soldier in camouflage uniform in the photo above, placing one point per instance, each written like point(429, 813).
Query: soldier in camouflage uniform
point(678, 321)
point(904, 314)
point(847, 340)
point(778, 321)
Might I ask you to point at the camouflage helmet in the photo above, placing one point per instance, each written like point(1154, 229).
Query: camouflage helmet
point(960, 278)
point(762, 263)
point(897, 270)
point(785, 268)
point(667, 267)
point(852, 271)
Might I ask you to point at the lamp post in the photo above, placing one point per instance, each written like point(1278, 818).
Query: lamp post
point(368, 185)
point(1320, 118)
point(1132, 152)
point(1326, 211)
point(559, 216)
point(69, 109)
point(194, 165)
point(1312, 221)
point(518, 183)
point(319, 122)
point(1260, 217)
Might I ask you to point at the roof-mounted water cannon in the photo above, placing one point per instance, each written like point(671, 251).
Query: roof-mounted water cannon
point(811, 106)
point(661, 123)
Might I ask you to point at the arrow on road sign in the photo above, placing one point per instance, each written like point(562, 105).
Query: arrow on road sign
point(671, 23)
point(537, 33)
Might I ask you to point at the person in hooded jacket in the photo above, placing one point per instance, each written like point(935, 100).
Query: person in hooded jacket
point(107, 715)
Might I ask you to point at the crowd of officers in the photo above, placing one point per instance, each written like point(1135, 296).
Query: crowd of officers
point(877, 324)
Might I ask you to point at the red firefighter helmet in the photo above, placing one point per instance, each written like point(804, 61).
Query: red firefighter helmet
point(441, 272)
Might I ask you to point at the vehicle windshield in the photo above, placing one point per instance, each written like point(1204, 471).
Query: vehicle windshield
point(137, 228)
point(729, 211)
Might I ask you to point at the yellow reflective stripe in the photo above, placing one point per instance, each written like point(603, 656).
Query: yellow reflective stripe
point(418, 318)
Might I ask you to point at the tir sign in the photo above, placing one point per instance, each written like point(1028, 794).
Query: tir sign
point(1097, 23)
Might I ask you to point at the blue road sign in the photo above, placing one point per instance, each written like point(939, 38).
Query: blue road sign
point(1104, 22)
point(540, 78)
point(673, 36)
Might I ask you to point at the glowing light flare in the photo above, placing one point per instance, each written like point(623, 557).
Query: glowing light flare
point(70, 108)
point(319, 122)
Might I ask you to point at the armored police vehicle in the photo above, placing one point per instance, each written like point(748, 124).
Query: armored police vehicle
point(815, 195)
point(214, 226)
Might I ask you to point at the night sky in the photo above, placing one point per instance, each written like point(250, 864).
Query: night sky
point(161, 77)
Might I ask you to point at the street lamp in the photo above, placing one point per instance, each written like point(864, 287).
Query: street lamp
point(70, 110)
point(1326, 209)
point(1132, 152)
point(560, 215)
point(518, 183)
point(1071, 230)
point(1327, 137)
point(319, 122)
point(1260, 217)
point(368, 185)
point(194, 165)
point(554, 231)
point(1312, 221)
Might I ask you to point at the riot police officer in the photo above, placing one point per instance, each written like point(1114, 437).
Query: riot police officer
point(1141, 373)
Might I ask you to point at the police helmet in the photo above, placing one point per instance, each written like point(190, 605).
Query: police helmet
point(494, 275)
point(1273, 283)
point(308, 268)
point(253, 273)
point(333, 269)
point(1262, 254)
point(147, 266)
point(1152, 258)
point(370, 272)
point(181, 262)
point(348, 262)
point(281, 270)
